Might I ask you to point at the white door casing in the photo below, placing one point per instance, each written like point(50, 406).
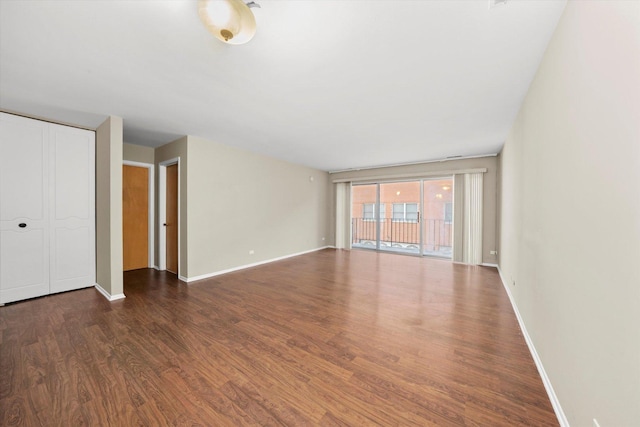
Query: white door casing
point(162, 215)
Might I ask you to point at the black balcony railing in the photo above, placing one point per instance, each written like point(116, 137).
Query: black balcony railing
point(438, 234)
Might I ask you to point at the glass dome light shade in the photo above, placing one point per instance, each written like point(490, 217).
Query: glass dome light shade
point(229, 20)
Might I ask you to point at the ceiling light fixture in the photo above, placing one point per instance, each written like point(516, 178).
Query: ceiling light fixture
point(229, 20)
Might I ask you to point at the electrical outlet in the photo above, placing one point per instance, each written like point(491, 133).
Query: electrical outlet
point(251, 252)
point(323, 239)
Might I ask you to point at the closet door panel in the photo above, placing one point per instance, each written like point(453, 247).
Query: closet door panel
point(23, 169)
point(71, 174)
point(25, 265)
point(24, 192)
point(72, 218)
point(71, 259)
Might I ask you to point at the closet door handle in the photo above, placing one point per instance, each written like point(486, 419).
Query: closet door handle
point(22, 225)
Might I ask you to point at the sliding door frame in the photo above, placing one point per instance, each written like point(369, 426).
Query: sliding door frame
point(421, 219)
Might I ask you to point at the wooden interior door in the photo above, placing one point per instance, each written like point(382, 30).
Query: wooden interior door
point(135, 217)
point(171, 224)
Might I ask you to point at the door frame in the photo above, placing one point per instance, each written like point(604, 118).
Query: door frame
point(162, 213)
point(151, 215)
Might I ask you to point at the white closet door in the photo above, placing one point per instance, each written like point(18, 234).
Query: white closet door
point(24, 194)
point(72, 208)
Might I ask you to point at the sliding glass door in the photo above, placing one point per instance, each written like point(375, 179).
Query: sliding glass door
point(366, 211)
point(411, 217)
point(400, 228)
point(437, 223)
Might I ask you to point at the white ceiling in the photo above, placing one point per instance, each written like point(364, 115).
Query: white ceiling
point(329, 84)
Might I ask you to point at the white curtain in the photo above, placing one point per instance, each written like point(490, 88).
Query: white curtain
point(343, 215)
point(472, 219)
point(458, 217)
point(467, 219)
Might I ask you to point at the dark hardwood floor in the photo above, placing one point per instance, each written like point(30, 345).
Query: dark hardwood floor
point(333, 338)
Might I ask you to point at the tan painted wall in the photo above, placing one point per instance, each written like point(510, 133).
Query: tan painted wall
point(570, 212)
point(109, 206)
point(489, 189)
point(241, 201)
point(175, 149)
point(138, 153)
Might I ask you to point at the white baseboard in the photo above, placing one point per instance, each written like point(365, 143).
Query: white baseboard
point(242, 267)
point(107, 295)
point(488, 264)
point(562, 419)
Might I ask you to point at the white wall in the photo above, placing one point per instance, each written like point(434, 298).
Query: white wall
point(241, 201)
point(138, 153)
point(109, 206)
point(570, 212)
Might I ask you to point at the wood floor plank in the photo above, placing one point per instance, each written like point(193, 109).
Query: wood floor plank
point(332, 338)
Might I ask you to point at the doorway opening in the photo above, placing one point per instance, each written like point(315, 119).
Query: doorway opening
point(169, 212)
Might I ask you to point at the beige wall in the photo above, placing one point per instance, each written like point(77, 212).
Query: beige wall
point(173, 150)
point(240, 201)
point(489, 188)
point(109, 206)
point(570, 212)
point(138, 153)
